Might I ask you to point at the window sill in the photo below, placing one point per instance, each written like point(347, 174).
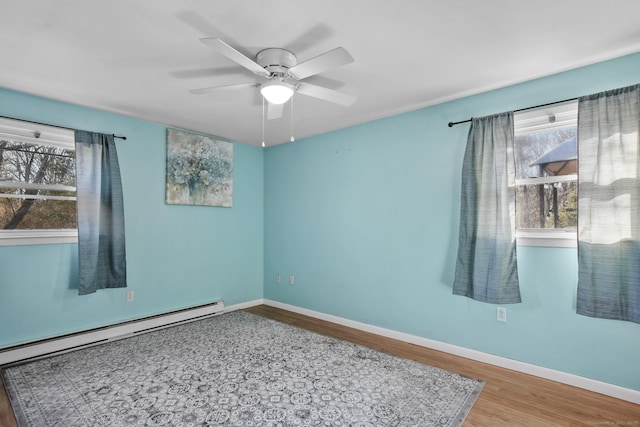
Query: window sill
point(547, 238)
point(37, 237)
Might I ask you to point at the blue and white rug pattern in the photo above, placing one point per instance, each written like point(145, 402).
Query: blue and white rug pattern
point(236, 369)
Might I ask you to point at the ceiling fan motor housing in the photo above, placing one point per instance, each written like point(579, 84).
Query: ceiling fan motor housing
point(277, 61)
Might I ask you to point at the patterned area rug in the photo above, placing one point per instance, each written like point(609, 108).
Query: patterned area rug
point(236, 369)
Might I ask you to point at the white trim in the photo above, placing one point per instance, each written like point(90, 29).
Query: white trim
point(546, 179)
point(34, 186)
point(612, 390)
point(551, 238)
point(37, 237)
point(36, 197)
point(119, 331)
point(243, 305)
point(110, 333)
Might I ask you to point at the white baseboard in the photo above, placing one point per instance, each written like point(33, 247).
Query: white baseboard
point(56, 345)
point(243, 305)
point(74, 341)
point(503, 362)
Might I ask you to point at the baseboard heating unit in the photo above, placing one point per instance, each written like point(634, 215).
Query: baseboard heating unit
point(64, 343)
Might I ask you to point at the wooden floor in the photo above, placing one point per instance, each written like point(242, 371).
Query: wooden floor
point(508, 399)
point(6, 414)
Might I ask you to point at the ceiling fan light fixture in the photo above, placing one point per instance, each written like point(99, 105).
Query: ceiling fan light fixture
point(277, 92)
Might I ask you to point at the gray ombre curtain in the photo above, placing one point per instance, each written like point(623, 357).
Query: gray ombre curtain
point(486, 267)
point(101, 244)
point(609, 205)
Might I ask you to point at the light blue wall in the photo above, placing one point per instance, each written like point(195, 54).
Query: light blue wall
point(366, 219)
point(177, 256)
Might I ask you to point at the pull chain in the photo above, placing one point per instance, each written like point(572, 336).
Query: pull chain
point(263, 144)
point(292, 138)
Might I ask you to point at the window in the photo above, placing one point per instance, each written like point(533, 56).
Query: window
point(546, 175)
point(37, 183)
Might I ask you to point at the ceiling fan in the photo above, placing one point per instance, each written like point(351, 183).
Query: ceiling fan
point(283, 74)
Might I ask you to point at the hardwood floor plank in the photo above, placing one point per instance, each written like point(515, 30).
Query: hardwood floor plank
point(6, 414)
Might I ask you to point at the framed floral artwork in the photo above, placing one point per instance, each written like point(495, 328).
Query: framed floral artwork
point(199, 170)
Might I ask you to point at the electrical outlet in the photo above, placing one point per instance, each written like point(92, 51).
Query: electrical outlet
point(291, 280)
point(277, 278)
point(130, 296)
point(501, 314)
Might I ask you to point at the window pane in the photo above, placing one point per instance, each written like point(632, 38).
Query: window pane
point(21, 162)
point(34, 168)
point(28, 214)
point(530, 151)
point(547, 206)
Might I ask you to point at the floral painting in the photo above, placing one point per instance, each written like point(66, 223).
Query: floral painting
point(199, 170)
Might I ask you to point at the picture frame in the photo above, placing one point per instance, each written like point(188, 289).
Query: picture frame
point(199, 170)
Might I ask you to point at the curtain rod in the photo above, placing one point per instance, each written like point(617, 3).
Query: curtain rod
point(124, 138)
point(452, 124)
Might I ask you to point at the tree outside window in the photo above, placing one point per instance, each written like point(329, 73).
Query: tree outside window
point(37, 181)
point(546, 170)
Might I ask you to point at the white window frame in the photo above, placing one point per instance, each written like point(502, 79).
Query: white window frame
point(35, 133)
point(551, 117)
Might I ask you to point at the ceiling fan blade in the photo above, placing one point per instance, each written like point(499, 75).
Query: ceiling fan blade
point(217, 88)
point(235, 55)
point(274, 111)
point(328, 60)
point(326, 94)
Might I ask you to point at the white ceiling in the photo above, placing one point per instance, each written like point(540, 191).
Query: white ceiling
point(140, 57)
